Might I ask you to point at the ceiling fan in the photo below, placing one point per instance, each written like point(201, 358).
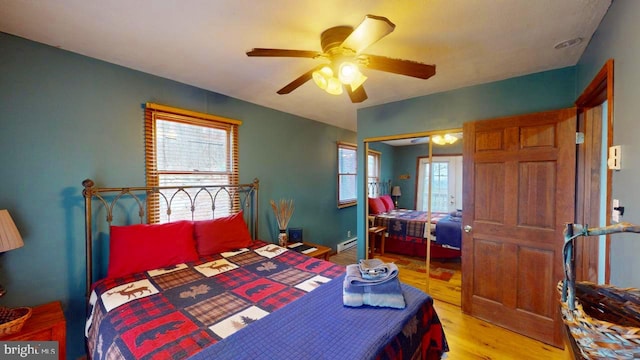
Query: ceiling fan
point(342, 48)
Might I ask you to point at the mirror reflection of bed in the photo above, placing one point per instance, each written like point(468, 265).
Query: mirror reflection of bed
point(408, 170)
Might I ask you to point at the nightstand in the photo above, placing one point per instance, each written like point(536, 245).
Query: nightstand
point(322, 252)
point(47, 323)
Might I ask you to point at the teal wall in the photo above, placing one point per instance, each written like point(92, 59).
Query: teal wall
point(405, 164)
point(66, 117)
point(386, 159)
point(448, 110)
point(617, 38)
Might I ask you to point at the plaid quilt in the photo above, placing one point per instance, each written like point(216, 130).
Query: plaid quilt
point(407, 230)
point(176, 312)
point(407, 225)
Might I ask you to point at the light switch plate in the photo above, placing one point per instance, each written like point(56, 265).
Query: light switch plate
point(615, 157)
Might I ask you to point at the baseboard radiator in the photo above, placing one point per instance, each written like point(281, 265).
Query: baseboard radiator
point(347, 244)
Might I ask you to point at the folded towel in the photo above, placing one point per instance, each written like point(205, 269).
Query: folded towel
point(395, 301)
point(391, 286)
point(373, 269)
point(385, 294)
point(355, 277)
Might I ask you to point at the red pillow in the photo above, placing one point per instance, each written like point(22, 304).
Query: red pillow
point(388, 202)
point(142, 247)
point(376, 206)
point(222, 234)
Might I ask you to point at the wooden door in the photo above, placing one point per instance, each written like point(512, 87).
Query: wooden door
point(519, 191)
point(589, 178)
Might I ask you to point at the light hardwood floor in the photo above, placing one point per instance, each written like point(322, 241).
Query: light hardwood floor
point(468, 337)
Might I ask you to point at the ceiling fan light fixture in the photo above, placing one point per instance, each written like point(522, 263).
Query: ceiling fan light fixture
point(450, 139)
point(321, 77)
point(320, 80)
point(342, 54)
point(348, 72)
point(358, 81)
point(334, 86)
point(447, 139)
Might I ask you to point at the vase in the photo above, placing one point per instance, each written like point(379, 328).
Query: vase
point(283, 238)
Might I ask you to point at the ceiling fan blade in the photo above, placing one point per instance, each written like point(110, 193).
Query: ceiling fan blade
point(283, 53)
point(370, 30)
point(299, 81)
point(402, 67)
point(357, 96)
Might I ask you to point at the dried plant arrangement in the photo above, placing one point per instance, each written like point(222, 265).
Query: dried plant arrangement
point(283, 211)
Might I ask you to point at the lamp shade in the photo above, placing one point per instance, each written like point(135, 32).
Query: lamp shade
point(9, 236)
point(395, 191)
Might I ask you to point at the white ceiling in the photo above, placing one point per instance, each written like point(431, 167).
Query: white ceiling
point(203, 42)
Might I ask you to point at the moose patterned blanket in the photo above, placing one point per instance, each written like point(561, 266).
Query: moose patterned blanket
point(174, 313)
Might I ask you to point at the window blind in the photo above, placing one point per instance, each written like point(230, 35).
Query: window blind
point(184, 147)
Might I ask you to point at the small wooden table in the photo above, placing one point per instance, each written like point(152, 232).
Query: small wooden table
point(375, 232)
point(47, 323)
point(322, 252)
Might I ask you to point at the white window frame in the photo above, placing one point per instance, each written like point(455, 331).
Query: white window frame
point(373, 172)
point(347, 179)
point(227, 176)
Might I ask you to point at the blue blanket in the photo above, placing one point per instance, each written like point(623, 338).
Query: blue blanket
point(318, 326)
point(449, 232)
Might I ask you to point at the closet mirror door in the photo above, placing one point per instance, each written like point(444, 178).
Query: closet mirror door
point(444, 202)
point(406, 166)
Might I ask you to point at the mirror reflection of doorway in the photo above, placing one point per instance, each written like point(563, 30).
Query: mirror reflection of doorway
point(446, 183)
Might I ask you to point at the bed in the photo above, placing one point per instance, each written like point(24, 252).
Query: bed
point(408, 232)
point(229, 295)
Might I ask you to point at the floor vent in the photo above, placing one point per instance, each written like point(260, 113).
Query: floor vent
point(347, 244)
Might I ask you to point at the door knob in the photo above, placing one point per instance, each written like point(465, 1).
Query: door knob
point(467, 228)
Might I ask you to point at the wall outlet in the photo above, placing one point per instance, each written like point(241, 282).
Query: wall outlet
point(348, 233)
point(615, 213)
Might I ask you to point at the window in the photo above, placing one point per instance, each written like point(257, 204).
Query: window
point(373, 172)
point(373, 166)
point(189, 148)
point(439, 186)
point(347, 165)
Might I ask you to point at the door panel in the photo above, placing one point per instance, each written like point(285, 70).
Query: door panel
point(536, 194)
point(491, 192)
point(488, 267)
point(530, 283)
point(537, 136)
point(519, 190)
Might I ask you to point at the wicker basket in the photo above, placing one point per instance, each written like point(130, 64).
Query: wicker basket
point(602, 321)
point(605, 322)
point(12, 320)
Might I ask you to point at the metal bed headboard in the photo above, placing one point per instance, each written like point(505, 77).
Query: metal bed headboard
point(379, 188)
point(240, 197)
